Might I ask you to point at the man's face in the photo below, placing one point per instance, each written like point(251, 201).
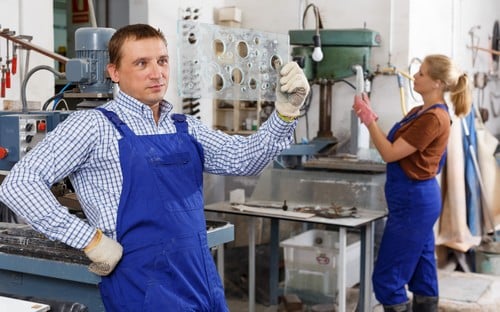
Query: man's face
point(143, 71)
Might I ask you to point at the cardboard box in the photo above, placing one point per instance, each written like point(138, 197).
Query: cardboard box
point(229, 14)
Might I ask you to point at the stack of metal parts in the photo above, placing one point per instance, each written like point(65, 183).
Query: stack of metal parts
point(21, 239)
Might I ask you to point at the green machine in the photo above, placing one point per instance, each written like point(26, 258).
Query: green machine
point(342, 49)
point(342, 53)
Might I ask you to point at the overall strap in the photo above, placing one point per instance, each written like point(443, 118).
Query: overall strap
point(117, 122)
point(180, 123)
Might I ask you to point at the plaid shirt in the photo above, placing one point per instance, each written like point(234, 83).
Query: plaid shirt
point(85, 148)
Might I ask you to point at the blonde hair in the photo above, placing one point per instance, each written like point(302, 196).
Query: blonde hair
point(441, 67)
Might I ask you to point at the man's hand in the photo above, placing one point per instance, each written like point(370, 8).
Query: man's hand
point(362, 108)
point(292, 90)
point(104, 253)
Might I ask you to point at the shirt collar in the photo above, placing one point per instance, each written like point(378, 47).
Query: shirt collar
point(138, 108)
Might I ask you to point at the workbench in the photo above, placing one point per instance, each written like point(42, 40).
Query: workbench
point(363, 222)
point(31, 266)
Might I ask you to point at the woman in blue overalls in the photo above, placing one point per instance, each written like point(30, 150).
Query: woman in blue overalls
point(414, 150)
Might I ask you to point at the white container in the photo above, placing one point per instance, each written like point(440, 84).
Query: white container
point(311, 261)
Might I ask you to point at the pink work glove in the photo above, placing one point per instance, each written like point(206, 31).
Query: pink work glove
point(362, 108)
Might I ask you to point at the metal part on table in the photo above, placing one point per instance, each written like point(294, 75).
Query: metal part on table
point(332, 211)
point(21, 239)
point(229, 63)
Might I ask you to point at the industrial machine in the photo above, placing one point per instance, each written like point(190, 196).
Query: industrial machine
point(344, 53)
point(328, 56)
point(21, 130)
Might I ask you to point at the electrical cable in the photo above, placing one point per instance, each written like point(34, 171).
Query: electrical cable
point(347, 82)
point(49, 100)
point(63, 101)
point(317, 54)
point(55, 98)
point(319, 22)
point(24, 101)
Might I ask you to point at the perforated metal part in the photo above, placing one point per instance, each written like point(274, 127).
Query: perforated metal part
point(229, 63)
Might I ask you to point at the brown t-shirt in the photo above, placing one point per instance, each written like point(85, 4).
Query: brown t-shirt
point(428, 133)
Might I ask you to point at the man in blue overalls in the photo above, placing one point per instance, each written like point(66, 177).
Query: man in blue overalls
point(137, 169)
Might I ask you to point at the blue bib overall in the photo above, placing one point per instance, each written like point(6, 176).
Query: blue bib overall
point(166, 263)
point(406, 254)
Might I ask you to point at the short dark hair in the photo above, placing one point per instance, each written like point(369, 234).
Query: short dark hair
point(133, 32)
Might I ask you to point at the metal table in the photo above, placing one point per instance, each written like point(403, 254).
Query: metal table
point(364, 223)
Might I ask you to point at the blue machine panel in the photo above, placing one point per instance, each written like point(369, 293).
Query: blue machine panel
point(20, 132)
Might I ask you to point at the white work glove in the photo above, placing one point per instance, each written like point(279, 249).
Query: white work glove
point(104, 253)
point(292, 90)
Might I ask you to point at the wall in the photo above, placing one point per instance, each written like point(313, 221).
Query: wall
point(165, 17)
point(408, 28)
point(454, 36)
point(33, 18)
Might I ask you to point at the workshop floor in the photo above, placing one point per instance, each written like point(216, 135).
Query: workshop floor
point(459, 291)
point(236, 282)
point(240, 305)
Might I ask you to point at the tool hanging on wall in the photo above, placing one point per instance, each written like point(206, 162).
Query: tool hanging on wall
point(20, 42)
point(14, 58)
point(474, 42)
point(480, 81)
point(7, 68)
point(495, 44)
point(495, 41)
point(7, 33)
point(2, 92)
point(494, 99)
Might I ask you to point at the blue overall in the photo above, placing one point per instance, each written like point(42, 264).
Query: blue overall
point(406, 254)
point(166, 263)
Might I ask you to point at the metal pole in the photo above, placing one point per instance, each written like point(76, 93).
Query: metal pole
point(30, 46)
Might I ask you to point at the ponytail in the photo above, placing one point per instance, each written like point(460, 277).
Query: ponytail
point(461, 96)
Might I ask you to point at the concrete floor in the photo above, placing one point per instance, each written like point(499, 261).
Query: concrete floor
point(241, 305)
point(459, 292)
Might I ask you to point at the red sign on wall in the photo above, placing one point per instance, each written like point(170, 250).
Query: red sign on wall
point(80, 12)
